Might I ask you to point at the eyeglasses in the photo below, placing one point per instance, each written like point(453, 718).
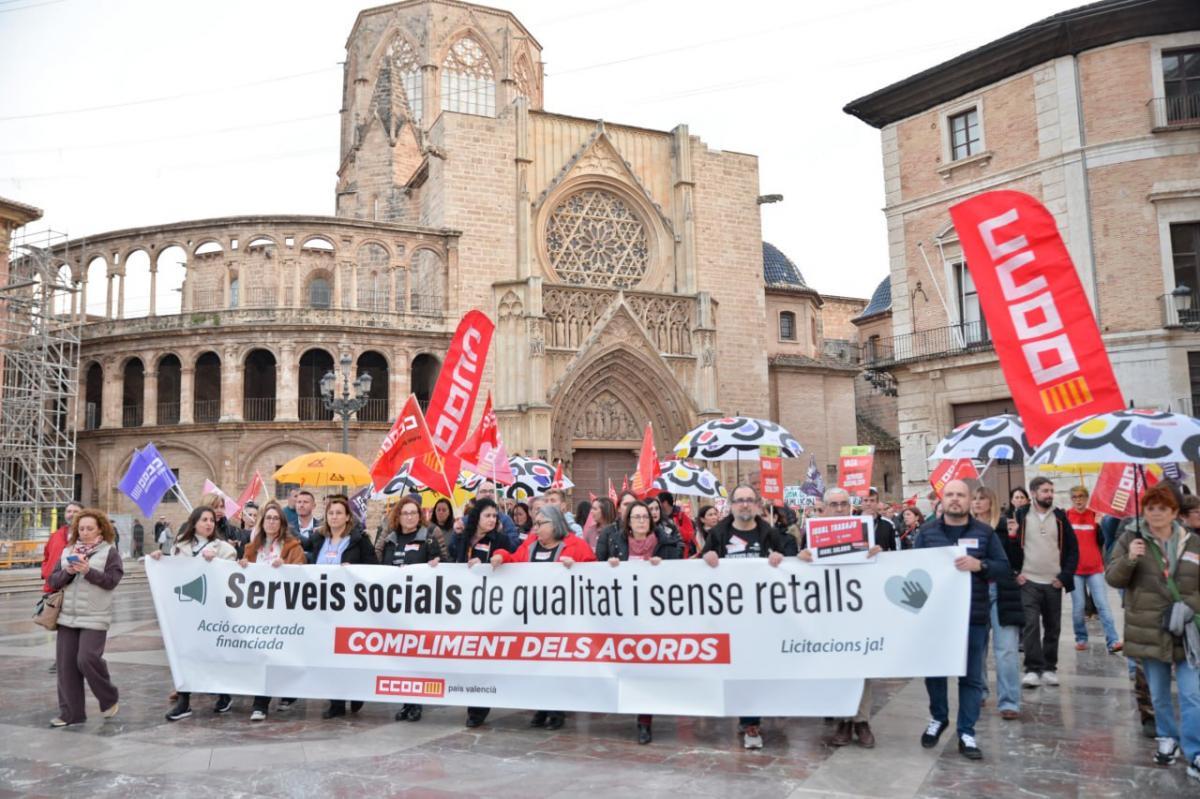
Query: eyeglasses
point(640, 517)
point(542, 521)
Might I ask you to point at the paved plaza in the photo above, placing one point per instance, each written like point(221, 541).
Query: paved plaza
point(1081, 739)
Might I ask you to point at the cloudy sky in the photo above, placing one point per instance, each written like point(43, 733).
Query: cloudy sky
point(122, 113)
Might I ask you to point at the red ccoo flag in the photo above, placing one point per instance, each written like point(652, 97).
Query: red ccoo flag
point(483, 452)
point(648, 469)
point(409, 438)
point(612, 492)
point(253, 490)
point(624, 484)
point(557, 482)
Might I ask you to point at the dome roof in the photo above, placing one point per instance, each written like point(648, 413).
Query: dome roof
point(778, 269)
point(881, 300)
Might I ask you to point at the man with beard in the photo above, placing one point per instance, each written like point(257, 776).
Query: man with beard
point(1044, 554)
point(985, 560)
point(743, 534)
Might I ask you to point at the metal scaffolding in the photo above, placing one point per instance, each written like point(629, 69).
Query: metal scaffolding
point(39, 364)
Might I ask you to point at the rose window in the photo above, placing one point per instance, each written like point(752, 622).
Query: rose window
point(594, 239)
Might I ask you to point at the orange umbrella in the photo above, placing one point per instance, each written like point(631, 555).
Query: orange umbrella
point(324, 469)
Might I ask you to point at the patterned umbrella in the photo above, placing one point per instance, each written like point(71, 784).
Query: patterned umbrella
point(532, 477)
point(1126, 436)
point(692, 479)
point(403, 483)
point(735, 437)
point(996, 437)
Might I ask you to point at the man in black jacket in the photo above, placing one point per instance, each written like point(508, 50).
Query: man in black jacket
point(744, 534)
point(885, 531)
point(1044, 555)
point(986, 561)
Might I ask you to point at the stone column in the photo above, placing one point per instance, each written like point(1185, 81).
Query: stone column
point(149, 399)
point(231, 386)
point(83, 301)
point(110, 395)
point(287, 387)
point(153, 288)
point(186, 394)
point(108, 300)
point(354, 289)
point(121, 295)
point(399, 386)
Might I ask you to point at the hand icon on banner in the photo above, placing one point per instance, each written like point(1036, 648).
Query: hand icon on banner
point(914, 595)
point(911, 591)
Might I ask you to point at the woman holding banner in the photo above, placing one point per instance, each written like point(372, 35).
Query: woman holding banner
point(273, 543)
point(198, 538)
point(551, 541)
point(408, 544)
point(341, 541)
point(642, 543)
point(87, 572)
point(480, 540)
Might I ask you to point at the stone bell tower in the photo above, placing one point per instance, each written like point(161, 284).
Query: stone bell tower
point(405, 64)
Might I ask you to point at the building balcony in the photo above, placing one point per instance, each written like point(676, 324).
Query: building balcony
point(1180, 311)
point(940, 342)
point(1174, 113)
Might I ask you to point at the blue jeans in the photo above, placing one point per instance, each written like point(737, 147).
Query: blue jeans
point(970, 687)
point(1007, 639)
point(1158, 675)
point(1099, 591)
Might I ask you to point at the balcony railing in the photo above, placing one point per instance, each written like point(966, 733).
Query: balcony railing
point(312, 409)
point(131, 416)
point(426, 304)
point(206, 411)
point(258, 409)
point(941, 342)
point(168, 413)
point(91, 417)
point(1173, 317)
point(376, 410)
point(1174, 112)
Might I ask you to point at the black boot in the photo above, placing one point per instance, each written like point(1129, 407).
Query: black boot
point(644, 734)
point(337, 707)
point(355, 705)
point(555, 719)
point(414, 712)
point(538, 720)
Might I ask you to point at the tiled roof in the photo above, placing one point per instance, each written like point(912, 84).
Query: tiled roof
point(881, 300)
point(778, 269)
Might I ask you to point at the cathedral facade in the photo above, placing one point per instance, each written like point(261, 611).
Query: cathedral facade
point(624, 269)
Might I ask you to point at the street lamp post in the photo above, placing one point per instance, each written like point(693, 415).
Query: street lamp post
point(346, 404)
point(1185, 315)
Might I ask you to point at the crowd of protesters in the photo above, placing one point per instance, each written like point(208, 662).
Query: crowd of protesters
point(1022, 556)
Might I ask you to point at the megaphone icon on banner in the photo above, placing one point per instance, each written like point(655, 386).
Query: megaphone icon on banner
point(195, 591)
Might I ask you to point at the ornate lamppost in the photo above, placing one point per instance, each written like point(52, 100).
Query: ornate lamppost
point(347, 403)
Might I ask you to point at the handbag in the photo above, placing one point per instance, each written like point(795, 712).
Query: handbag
point(48, 607)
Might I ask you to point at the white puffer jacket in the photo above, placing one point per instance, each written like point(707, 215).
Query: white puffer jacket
point(88, 597)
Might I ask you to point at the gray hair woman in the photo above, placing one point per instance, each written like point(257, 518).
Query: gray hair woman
point(551, 540)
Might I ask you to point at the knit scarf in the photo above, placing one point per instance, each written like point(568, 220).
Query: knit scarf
point(85, 551)
point(643, 549)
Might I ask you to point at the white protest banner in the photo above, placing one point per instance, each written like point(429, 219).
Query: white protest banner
point(743, 638)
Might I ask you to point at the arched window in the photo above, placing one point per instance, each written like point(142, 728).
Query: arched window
point(376, 409)
point(169, 381)
point(320, 293)
point(206, 402)
point(372, 277)
point(407, 67)
point(133, 387)
point(423, 377)
point(428, 283)
point(258, 387)
point(233, 292)
point(93, 397)
point(313, 366)
point(594, 238)
point(787, 326)
point(468, 80)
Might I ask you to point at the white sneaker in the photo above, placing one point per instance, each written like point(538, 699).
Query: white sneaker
point(258, 715)
point(1031, 680)
point(753, 737)
point(1168, 751)
point(1194, 769)
point(1050, 678)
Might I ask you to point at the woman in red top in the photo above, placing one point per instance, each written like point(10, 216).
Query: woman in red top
point(1089, 573)
point(551, 540)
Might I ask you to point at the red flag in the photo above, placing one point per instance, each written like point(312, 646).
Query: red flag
point(612, 492)
point(557, 482)
point(453, 398)
point(253, 490)
point(624, 484)
point(1046, 337)
point(409, 438)
point(947, 470)
point(1114, 489)
point(648, 469)
point(483, 452)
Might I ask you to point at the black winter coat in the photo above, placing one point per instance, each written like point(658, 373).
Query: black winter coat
point(359, 550)
point(495, 540)
point(406, 550)
point(1068, 547)
point(612, 544)
point(717, 539)
point(987, 549)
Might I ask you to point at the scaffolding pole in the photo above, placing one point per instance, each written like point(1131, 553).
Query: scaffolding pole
point(39, 379)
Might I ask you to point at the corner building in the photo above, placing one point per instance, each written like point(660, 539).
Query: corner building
point(623, 267)
point(1094, 111)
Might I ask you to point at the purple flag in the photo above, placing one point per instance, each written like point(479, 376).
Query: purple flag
point(358, 505)
point(147, 480)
